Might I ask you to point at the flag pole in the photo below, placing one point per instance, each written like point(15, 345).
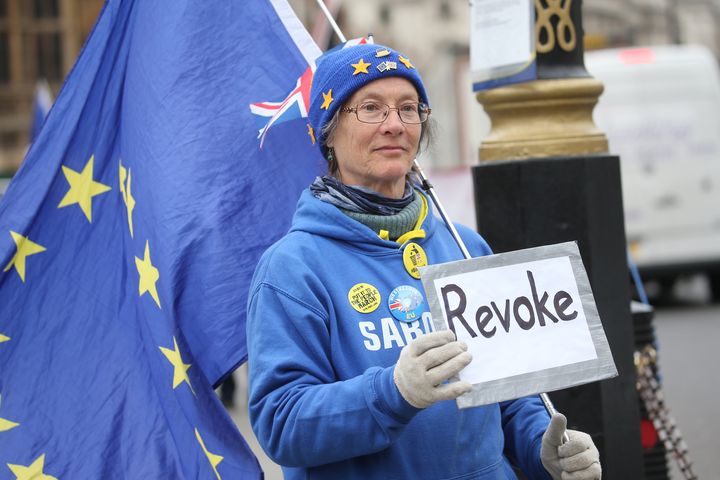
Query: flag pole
point(427, 186)
point(330, 18)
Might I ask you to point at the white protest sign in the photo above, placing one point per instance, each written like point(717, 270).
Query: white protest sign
point(528, 318)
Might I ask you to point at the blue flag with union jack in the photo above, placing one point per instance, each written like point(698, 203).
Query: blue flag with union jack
point(296, 104)
point(129, 236)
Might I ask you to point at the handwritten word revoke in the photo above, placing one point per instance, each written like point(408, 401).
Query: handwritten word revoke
point(528, 318)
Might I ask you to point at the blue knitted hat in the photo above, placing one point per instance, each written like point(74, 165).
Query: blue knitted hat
point(341, 72)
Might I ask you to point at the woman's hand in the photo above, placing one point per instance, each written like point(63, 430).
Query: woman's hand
point(424, 365)
point(577, 459)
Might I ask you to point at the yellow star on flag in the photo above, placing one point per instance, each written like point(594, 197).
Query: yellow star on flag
point(25, 248)
point(149, 275)
point(5, 424)
point(3, 338)
point(180, 368)
point(127, 197)
point(361, 67)
point(214, 459)
point(327, 100)
point(311, 132)
point(405, 61)
point(33, 471)
point(82, 188)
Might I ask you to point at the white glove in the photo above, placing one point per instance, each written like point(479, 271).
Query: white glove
point(577, 459)
point(428, 361)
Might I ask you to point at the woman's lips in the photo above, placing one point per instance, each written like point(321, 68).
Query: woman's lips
point(391, 148)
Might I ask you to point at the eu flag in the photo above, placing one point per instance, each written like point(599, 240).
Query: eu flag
point(129, 235)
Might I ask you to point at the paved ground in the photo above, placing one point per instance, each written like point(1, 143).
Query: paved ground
point(239, 414)
point(688, 332)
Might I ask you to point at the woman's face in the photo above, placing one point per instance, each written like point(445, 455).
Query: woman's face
point(377, 155)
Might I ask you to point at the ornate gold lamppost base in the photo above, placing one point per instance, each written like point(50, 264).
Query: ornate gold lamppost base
point(542, 118)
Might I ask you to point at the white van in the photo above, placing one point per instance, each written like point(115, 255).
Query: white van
point(661, 113)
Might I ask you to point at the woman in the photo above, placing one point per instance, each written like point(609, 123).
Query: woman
point(347, 377)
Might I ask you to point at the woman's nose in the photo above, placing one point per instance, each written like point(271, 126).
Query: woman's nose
point(392, 122)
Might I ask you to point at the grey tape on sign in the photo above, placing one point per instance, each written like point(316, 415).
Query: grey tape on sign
point(518, 324)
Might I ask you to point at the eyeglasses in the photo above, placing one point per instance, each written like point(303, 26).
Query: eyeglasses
point(411, 113)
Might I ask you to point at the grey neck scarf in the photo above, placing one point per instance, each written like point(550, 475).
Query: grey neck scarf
point(359, 199)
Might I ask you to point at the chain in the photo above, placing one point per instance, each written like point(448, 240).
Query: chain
point(654, 401)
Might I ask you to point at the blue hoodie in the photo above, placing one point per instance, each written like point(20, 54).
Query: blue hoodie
point(323, 402)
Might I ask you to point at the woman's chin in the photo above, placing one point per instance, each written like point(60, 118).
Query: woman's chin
point(395, 175)
point(398, 165)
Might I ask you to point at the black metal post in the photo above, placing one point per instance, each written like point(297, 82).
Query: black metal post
point(551, 180)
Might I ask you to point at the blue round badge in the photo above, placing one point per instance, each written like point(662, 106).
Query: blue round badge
point(406, 303)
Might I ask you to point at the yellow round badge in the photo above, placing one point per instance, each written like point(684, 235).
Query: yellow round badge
point(414, 257)
point(364, 297)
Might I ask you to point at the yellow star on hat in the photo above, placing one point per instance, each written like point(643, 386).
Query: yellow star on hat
point(327, 100)
point(361, 67)
point(405, 61)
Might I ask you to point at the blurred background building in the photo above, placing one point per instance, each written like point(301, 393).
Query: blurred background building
point(435, 34)
point(39, 39)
